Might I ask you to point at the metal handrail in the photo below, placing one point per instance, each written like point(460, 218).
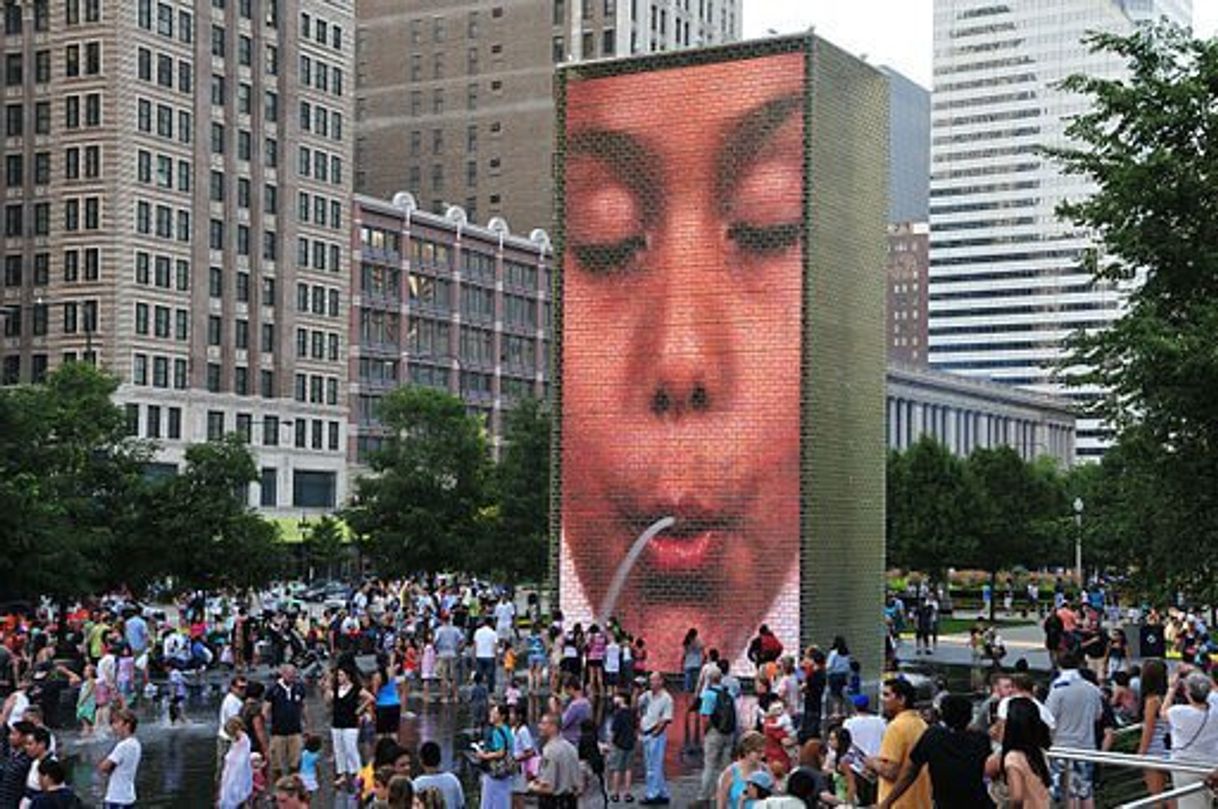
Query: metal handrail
point(1141, 762)
point(1129, 760)
point(1169, 795)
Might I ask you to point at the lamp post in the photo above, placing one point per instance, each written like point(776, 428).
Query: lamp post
point(1078, 540)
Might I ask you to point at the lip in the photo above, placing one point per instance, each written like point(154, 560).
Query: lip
point(698, 533)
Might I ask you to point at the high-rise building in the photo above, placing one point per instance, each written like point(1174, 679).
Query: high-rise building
point(908, 243)
point(455, 99)
point(440, 301)
point(1008, 280)
point(177, 192)
point(908, 148)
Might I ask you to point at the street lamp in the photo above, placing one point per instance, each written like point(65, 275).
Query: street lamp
point(1078, 540)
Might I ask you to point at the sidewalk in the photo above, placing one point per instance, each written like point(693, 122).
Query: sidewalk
point(953, 650)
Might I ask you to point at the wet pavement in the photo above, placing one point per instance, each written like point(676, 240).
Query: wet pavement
point(178, 765)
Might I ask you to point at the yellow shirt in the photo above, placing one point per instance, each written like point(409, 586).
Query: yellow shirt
point(899, 739)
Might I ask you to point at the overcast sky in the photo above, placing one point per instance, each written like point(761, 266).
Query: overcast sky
point(889, 32)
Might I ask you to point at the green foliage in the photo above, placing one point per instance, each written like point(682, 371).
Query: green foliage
point(69, 477)
point(1150, 145)
point(324, 547)
point(424, 502)
point(523, 487)
point(930, 502)
point(210, 536)
point(992, 510)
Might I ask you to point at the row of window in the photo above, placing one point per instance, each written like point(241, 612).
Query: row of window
point(218, 191)
point(165, 121)
point(313, 208)
point(162, 271)
point(215, 286)
point(320, 75)
point(310, 387)
point(317, 299)
point(165, 21)
point(78, 316)
point(15, 218)
point(241, 334)
point(157, 371)
point(320, 166)
point(167, 224)
point(171, 422)
point(318, 255)
point(163, 172)
point(318, 345)
point(164, 73)
point(245, 144)
point(161, 321)
point(15, 115)
point(321, 120)
point(322, 32)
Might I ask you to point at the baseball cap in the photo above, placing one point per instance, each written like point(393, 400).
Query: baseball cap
point(763, 779)
point(860, 701)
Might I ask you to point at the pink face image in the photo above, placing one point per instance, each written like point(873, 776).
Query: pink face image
point(682, 303)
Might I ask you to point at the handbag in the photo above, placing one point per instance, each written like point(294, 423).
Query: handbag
point(505, 765)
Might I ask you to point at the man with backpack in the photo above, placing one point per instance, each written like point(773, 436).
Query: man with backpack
point(719, 709)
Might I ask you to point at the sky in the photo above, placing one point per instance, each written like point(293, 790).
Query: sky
point(896, 33)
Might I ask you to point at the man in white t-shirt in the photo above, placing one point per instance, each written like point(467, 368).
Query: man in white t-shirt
point(866, 728)
point(486, 639)
point(1024, 686)
point(123, 762)
point(505, 617)
point(230, 707)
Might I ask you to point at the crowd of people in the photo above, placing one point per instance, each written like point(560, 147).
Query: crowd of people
point(562, 714)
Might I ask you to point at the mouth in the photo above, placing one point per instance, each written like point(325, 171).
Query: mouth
point(698, 534)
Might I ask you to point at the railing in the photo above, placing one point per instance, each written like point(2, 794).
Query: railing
point(1137, 762)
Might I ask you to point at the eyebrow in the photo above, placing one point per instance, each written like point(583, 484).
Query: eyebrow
point(742, 143)
point(627, 157)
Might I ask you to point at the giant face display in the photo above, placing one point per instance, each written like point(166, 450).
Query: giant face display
point(683, 262)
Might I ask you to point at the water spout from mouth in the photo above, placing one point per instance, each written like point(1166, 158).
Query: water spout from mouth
point(623, 570)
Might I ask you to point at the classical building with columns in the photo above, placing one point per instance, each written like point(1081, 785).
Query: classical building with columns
point(964, 414)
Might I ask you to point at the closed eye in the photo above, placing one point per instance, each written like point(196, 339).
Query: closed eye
point(608, 258)
point(766, 240)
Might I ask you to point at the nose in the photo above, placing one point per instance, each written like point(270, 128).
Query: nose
point(690, 366)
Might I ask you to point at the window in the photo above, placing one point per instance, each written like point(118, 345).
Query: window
point(14, 118)
point(154, 420)
point(184, 126)
point(213, 377)
point(215, 425)
point(217, 138)
point(42, 118)
point(71, 61)
point(161, 322)
point(93, 109)
point(179, 375)
point(141, 318)
point(215, 282)
point(217, 41)
point(312, 489)
point(269, 481)
point(173, 422)
point(42, 67)
point(160, 372)
point(214, 329)
point(92, 58)
point(164, 71)
point(139, 369)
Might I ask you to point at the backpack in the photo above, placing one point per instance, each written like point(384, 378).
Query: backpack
point(723, 716)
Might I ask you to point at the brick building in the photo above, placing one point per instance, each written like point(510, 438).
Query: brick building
point(440, 301)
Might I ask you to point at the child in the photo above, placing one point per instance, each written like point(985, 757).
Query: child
point(622, 740)
point(177, 696)
point(508, 655)
point(855, 684)
point(258, 763)
point(126, 675)
point(310, 761)
point(427, 667)
point(511, 694)
point(479, 703)
point(410, 664)
point(537, 658)
point(86, 702)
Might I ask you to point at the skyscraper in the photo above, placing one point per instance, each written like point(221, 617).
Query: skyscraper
point(908, 148)
point(178, 187)
point(455, 99)
point(1008, 281)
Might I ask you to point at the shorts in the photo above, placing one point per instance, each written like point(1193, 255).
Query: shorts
point(1082, 779)
point(618, 759)
point(611, 678)
point(596, 664)
point(537, 660)
point(175, 709)
point(388, 719)
point(446, 668)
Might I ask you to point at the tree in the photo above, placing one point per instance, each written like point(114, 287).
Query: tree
point(210, 536)
point(523, 486)
point(931, 502)
point(1149, 143)
point(70, 477)
point(420, 509)
point(1017, 511)
point(324, 546)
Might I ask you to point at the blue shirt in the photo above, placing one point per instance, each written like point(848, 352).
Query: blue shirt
point(137, 635)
